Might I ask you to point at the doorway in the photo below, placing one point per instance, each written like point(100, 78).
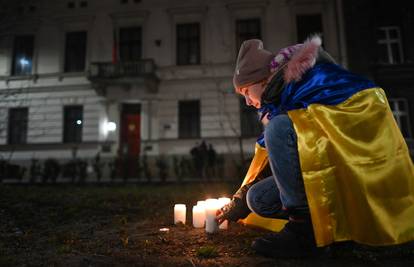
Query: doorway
point(130, 141)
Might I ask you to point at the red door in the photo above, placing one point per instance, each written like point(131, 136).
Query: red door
point(130, 140)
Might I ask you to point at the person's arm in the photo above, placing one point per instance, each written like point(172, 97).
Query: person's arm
point(237, 208)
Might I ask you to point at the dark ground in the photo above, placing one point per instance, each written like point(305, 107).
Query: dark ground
point(94, 225)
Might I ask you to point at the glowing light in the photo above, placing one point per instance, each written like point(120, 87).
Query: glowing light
point(79, 122)
point(24, 62)
point(110, 126)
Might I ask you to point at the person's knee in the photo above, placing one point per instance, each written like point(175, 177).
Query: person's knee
point(251, 199)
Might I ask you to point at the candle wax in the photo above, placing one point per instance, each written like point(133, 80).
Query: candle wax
point(223, 201)
point(179, 213)
point(212, 205)
point(198, 216)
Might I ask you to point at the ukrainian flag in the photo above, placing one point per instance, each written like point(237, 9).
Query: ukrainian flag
point(356, 167)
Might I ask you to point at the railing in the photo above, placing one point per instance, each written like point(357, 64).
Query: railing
point(109, 70)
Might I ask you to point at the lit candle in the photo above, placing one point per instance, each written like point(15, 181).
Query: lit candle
point(223, 201)
point(201, 203)
point(179, 213)
point(198, 216)
point(212, 205)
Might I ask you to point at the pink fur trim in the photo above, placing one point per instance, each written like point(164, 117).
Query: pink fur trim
point(302, 60)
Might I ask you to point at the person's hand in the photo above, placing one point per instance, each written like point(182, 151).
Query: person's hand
point(233, 211)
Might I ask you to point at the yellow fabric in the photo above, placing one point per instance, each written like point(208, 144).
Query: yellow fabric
point(358, 175)
point(257, 165)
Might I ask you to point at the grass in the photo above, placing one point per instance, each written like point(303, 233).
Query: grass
point(207, 252)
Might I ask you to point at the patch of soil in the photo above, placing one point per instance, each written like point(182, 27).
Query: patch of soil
point(113, 226)
point(147, 246)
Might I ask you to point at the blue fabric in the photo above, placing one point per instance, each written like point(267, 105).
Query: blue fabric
point(261, 140)
point(326, 83)
point(263, 198)
point(284, 191)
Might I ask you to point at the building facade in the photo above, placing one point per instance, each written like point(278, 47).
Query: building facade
point(139, 80)
point(379, 45)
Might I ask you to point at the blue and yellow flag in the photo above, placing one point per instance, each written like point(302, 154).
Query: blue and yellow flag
point(356, 167)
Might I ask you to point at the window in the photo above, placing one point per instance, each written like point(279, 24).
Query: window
point(188, 44)
point(247, 29)
point(75, 51)
point(399, 107)
point(71, 4)
point(83, 4)
point(249, 120)
point(189, 119)
point(72, 124)
point(389, 45)
point(307, 25)
point(17, 128)
point(130, 44)
point(23, 55)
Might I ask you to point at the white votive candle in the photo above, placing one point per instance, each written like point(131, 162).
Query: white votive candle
point(201, 203)
point(179, 213)
point(198, 216)
point(223, 201)
point(212, 205)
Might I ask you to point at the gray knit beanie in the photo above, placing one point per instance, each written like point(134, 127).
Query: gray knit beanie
point(253, 64)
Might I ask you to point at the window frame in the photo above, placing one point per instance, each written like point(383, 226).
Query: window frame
point(183, 15)
point(119, 41)
point(71, 135)
point(189, 41)
point(15, 124)
point(14, 55)
point(183, 122)
point(254, 126)
point(240, 40)
point(388, 41)
point(398, 113)
point(68, 57)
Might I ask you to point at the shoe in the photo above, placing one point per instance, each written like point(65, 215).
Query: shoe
point(295, 240)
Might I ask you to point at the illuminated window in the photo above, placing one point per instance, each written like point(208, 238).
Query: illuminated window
point(399, 107)
point(23, 55)
point(389, 45)
point(72, 124)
